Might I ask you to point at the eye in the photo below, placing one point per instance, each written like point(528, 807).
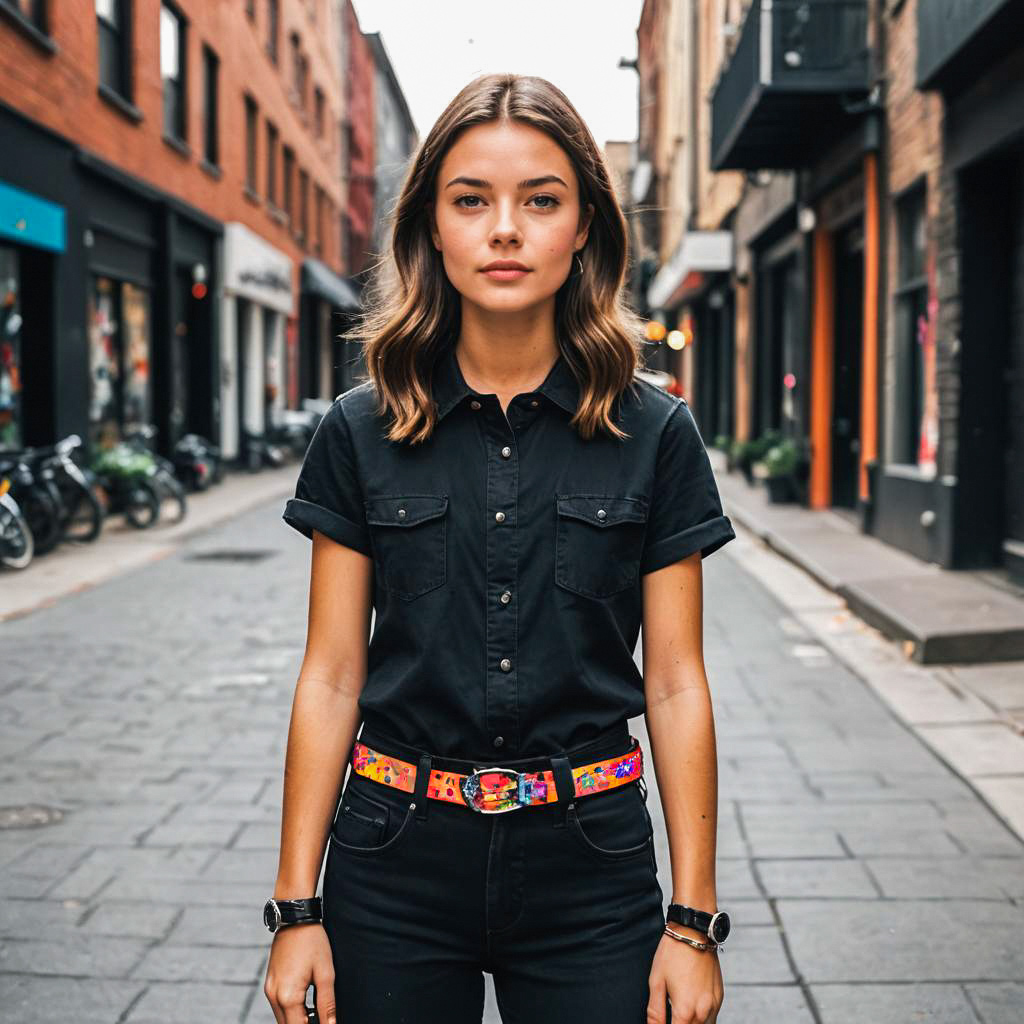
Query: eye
point(467, 196)
point(554, 201)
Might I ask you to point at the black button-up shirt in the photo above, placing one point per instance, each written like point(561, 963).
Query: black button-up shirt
point(508, 554)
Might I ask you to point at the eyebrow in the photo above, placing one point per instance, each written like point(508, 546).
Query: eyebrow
point(547, 179)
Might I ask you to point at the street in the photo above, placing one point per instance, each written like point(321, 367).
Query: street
point(146, 719)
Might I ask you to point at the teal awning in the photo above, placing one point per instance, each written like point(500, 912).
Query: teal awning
point(30, 220)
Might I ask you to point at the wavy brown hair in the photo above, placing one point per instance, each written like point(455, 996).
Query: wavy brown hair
point(411, 308)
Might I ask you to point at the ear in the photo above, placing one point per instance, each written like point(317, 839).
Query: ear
point(585, 220)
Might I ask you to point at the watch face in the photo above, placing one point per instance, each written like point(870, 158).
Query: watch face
point(271, 915)
point(720, 925)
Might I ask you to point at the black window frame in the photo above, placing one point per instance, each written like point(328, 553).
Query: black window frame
point(319, 111)
point(114, 44)
point(303, 188)
point(252, 156)
point(176, 133)
point(273, 29)
point(211, 106)
point(35, 24)
point(910, 297)
point(287, 184)
point(273, 144)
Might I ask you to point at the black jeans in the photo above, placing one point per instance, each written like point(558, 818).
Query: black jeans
point(560, 903)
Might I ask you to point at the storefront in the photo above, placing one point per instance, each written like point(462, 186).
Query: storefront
point(257, 337)
point(32, 235)
point(149, 311)
point(703, 335)
point(328, 303)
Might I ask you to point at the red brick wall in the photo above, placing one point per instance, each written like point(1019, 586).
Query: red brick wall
point(360, 76)
point(60, 91)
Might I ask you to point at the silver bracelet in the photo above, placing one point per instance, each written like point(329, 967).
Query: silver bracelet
point(703, 946)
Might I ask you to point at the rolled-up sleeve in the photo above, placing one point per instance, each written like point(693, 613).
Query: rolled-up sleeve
point(686, 509)
point(328, 496)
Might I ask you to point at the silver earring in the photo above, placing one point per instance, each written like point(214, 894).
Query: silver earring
point(580, 262)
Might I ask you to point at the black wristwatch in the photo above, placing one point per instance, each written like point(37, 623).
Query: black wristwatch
point(716, 926)
point(278, 913)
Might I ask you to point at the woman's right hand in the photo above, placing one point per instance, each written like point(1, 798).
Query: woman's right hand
point(300, 954)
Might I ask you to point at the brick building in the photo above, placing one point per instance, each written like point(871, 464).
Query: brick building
point(877, 279)
point(172, 194)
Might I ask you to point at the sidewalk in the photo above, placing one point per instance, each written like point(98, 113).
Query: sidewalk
point(970, 715)
point(120, 548)
point(940, 616)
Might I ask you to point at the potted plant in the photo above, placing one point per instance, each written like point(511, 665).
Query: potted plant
point(781, 465)
point(723, 442)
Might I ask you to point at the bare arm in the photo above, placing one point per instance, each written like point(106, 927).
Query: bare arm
point(680, 724)
point(325, 714)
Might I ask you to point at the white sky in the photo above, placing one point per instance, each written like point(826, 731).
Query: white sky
point(437, 46)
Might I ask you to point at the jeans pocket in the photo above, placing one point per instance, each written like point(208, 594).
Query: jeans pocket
point(612, 826)
point(368, 826)
point(598, 542)
point(409, 534)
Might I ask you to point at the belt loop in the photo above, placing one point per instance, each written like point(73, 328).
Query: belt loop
point(422, 781)
point(565, 785)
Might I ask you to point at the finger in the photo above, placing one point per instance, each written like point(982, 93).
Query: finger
point(270, 991)
point(323, 985)
point(294, 1004)
point(656, 1012)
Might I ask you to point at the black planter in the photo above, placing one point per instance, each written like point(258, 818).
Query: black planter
point(780, 489)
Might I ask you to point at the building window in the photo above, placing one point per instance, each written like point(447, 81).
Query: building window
point(318, 111)
point(300, 71)
point(172, 71)
point(304, 207)
point(32, 11)
point(119, 359)
point(318, 220)
point(251, 122)
point(911, 322)
point(211, 141)
point(273, 21)
point(271, 164)
point(287, 174)
point(113, 34)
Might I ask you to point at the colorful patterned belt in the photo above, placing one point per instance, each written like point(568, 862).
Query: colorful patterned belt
point(492, 790)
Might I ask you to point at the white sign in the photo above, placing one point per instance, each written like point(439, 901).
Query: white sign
point(254, 269)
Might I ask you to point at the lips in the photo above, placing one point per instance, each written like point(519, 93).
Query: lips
point(504, 265)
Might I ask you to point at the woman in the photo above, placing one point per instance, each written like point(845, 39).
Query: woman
point(511, 500)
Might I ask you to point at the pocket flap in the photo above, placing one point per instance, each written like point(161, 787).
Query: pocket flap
point(602, 509)
point(405, 510)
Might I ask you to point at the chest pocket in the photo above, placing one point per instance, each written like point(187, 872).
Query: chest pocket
point(598, 542)
point(408, 533)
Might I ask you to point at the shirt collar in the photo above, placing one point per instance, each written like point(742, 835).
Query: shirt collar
point(450, 387)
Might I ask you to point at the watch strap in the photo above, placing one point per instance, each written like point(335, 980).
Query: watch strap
point(301, 911)
point(689, 917)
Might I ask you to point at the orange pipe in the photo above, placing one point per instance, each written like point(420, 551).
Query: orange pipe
point(822, 325)
point(869, 355)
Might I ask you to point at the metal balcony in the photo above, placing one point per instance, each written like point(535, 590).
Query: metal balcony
point(958, 38)
point(786, 89)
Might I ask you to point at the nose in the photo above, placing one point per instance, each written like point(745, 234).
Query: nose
point(505, 227)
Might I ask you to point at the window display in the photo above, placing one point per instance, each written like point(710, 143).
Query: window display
point(10, 350)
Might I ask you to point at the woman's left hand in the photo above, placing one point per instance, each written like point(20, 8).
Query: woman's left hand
point(690, 978)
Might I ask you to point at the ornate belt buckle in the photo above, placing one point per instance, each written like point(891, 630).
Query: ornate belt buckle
point(493, 790)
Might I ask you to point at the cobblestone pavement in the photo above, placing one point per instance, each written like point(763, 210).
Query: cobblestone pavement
point(866, 880)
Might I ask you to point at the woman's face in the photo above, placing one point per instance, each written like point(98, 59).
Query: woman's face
point(507, 191)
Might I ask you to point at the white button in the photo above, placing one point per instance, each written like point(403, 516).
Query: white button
point(534, 403)
point(506, 597)
point(506, 452)
point(506, 665)
point(500, 516)
point(402, 513)
point(601, 514)
point(499, 740)
point(474, 404)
